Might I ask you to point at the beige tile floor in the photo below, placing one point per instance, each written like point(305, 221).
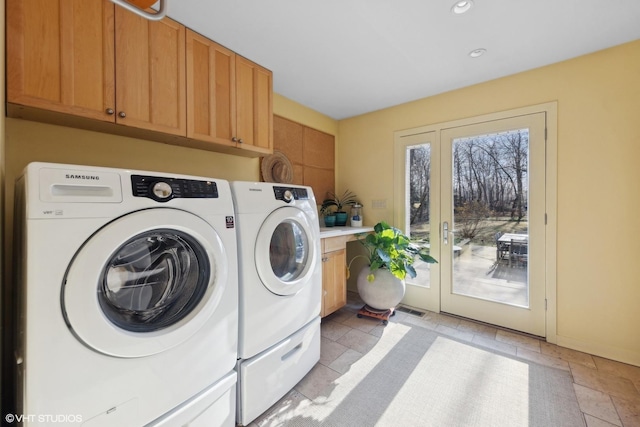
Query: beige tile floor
point(608, 392)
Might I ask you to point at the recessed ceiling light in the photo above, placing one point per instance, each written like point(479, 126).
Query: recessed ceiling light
point(462, 6)
point(477, 52)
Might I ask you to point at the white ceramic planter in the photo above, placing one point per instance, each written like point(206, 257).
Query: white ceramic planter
point(385, 292)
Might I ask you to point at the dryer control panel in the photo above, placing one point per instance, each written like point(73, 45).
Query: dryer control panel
point(164, 189)
point(288, 194)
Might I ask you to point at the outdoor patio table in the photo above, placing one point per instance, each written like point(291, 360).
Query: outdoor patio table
point(507, 238)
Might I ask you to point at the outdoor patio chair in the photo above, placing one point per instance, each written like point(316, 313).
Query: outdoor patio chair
point(518, 253)
point(502, 248)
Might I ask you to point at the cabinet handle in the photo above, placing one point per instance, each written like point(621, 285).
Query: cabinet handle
point(325, 259)
point(122, 114)
point(110, 111)
point(240, 141)
point(234, 139)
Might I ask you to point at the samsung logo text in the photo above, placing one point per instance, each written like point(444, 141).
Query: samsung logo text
point(85, 177)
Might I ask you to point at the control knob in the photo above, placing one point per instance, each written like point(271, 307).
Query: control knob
point(162, 190)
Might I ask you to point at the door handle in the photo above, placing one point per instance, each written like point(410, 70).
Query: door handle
point(445, 233)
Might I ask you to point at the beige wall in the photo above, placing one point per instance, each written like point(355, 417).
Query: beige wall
point(598, 95)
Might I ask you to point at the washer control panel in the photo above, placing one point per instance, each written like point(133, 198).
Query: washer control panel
point(289, 194)
point(164, 189)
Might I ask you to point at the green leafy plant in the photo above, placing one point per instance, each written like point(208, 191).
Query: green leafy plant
point(389, 248)
point(326, 210)
point(347, 199)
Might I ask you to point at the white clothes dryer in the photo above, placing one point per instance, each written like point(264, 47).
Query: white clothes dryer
point(280, 282)
point(127, 292)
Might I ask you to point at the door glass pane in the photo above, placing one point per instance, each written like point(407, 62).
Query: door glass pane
point(490, 210)
point(154, 280)
point(288, 251)
point(418, 199)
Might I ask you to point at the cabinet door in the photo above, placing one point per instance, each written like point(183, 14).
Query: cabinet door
point(150, 73)
point(319, 159)
point(287, 138)
point(254, 106)
point(334, 281)
point(211, 102)
point(57, 59)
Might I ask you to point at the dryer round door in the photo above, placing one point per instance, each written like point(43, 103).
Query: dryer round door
point(285, 252)
point(145, 282)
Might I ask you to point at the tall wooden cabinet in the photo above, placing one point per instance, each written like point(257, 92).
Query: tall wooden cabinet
point(130, 71)
point(311, 152)
point(230, 99)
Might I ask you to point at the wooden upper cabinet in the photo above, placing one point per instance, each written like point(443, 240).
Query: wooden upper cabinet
point(131, 67)
point(60, 56)
point(93, 59)
point(229, 97)
point(254, 106)
point(210, 84)
point(150, 73)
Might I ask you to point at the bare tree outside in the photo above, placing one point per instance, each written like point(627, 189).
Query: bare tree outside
point(419, 167)
point(493, 170)
point(490, 186)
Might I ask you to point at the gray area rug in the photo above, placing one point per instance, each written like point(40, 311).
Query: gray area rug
point(417, 377)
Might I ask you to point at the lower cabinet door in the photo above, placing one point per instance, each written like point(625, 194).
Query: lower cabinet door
point(334, 281)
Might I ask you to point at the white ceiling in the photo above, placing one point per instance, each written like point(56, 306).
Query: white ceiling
point(348, 57)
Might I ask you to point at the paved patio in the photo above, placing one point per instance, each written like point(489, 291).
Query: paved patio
point(476, 273)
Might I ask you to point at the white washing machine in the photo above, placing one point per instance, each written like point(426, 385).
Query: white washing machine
point(280, 281)
point(127, 291)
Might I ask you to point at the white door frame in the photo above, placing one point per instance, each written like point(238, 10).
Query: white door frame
point(551, 204)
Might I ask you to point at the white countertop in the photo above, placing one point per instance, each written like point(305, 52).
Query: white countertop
point(342, 231)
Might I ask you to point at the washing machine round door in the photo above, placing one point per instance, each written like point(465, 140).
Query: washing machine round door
point(145, 282)
point(285, 251)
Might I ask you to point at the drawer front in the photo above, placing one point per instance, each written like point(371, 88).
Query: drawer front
point(265, 378)
point(330, 244)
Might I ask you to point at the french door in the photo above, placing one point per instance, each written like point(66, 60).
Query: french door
point(475, 195)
